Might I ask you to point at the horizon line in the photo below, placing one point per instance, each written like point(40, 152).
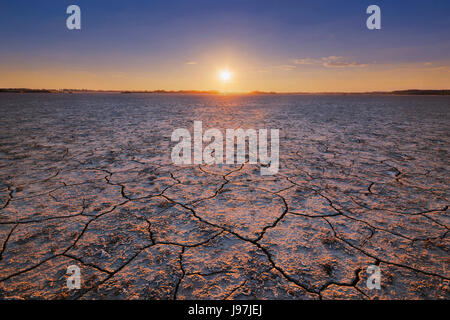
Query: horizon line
point(218, 92)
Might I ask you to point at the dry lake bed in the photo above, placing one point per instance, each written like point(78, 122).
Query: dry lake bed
point(87, 180)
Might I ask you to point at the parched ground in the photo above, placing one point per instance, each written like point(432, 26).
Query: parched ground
point(87, 180)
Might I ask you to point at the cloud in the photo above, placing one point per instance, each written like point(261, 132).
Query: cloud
point(340, 62)
point(285, 67)
point(330, 62)
point(441, 68)
point(191, 62)
point(307, 61)
point(282, 67)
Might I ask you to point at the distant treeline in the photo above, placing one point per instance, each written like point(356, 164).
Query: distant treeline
point(397, 92)
point(24, 90)
point(175, 91)
point(423, 92)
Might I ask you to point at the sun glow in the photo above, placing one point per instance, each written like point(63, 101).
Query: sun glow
point(225, 75)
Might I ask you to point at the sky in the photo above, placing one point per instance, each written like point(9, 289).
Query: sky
point(285, 46)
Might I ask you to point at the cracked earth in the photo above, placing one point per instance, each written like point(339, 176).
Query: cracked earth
point(87, 180)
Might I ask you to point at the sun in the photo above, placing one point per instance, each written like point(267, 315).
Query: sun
point(225, 75)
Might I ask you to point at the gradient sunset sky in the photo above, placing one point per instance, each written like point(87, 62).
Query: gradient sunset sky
point(286, 46)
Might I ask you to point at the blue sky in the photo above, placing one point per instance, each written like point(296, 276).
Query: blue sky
point(174, 44)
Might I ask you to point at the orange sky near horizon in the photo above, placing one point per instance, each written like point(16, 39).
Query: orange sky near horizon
point(287, 77)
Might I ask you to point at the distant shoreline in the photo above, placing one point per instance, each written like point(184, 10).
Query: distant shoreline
point(215, 92)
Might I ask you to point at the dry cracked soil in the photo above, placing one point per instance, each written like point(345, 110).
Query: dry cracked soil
point(87, 180)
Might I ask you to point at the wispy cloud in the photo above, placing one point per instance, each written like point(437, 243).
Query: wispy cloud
point(330, 62)
point(285, 67)
point(340, 62)
point(326, 62)
point(307, 61)
point(281, 67)
point(441, 68)
point(191, 62)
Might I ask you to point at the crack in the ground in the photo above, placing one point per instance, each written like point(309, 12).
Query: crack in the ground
point(5, 242)
point(379, 259)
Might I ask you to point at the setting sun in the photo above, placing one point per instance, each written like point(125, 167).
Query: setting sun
point(225, 75)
